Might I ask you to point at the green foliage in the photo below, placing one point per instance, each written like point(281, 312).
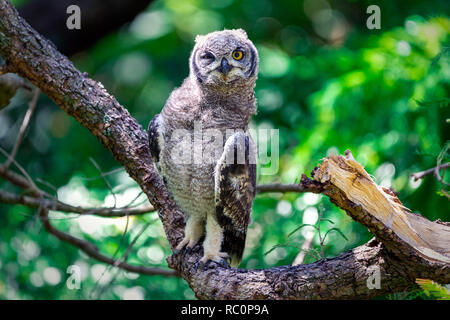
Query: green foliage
point(317, 228)
point(433, 290)
point(427, 290)
point(383, 94)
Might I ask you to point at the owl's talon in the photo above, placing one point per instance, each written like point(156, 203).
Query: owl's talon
point(212, 264)
point(187, 243)
point(210, 260)
point(206, 265)
point(200, 265)
point(187, 250)
point(224, 264)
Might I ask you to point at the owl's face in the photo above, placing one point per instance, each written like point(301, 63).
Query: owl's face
point(224, 58)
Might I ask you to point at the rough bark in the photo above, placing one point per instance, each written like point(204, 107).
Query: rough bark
point(399, 261)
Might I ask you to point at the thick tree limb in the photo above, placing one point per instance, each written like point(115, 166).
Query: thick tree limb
point(409, 236)
point(36, 59)
point(343, 277)
point(400, 258)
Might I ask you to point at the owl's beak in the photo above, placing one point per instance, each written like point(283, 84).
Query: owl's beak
point(225, 67)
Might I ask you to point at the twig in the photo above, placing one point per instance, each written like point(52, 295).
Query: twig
point(306, 246)
point(278, 187)
point(23, 127)
point(104, 174)
point(419, 175)
point(305, 185)
point(51, 204)
point(37, 199)
point(17, 180)
point(49, 185)
point(97, 166)
point(92, 251)
point(29, 183)
point(123, 259)
point(322, 251)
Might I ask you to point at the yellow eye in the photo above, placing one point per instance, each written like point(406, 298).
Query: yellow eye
point(238, 54)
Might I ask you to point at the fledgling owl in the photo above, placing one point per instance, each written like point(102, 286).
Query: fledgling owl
point(201, 146)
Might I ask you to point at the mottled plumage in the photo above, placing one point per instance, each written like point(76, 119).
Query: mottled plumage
point(201, 147)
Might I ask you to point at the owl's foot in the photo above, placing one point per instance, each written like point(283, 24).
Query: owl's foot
point(211, 264)
point(215, 257)
point(188, 242)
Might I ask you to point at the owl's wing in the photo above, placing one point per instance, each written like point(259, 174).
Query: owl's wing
point(155, 139)
point(235, 188)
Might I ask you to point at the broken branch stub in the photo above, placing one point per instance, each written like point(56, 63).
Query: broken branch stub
point(349, 186)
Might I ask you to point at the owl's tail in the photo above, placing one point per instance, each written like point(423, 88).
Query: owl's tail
point(234, 245)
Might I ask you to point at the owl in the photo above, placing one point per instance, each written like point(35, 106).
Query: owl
point(201, 146)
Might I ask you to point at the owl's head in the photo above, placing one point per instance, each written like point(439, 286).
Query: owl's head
point(223, 58)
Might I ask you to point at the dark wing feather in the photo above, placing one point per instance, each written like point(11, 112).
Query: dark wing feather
point(235, 191)
point(154, 139)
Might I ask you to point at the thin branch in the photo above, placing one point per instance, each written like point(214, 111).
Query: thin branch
point(92, 251)
point(419, 175)
point(305, 185)
point(17, 180)
point(56, 205)
point(29, 183)
point(306, 246)
point(123, 259)
point(23, 127)
point(103, 175)
point(37, 199)
point(322, 251)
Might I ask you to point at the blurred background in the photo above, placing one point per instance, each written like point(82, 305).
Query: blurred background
point(326, 81)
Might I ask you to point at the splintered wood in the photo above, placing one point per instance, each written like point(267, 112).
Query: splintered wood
point(431, 240)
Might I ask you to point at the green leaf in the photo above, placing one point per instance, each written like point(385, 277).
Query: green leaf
point(281, 245)
point(337, 230)
point(433, 289)
point(301, 226)
point(328, 220)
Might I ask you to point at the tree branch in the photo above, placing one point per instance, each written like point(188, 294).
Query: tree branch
point(342, 277)
point(56, 205)
point(23, 128)
point(305, 185)
point(92, 251)
point(420, 175)
point(400, 258)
